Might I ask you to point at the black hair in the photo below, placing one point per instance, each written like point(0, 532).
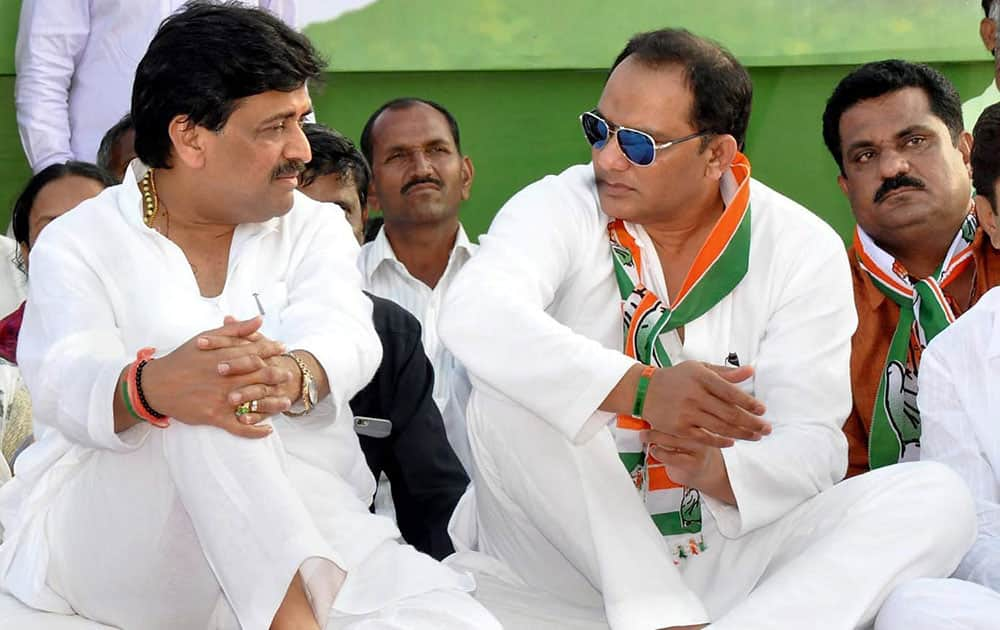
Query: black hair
point(405, 103)
point(720, 84)
point(878, 78)
point(986, 7)
point(110, 139)
point(332, 153)
point(986, 154)
point(203, 61)
point(21, 215)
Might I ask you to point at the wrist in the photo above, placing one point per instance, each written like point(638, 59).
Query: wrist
point(292, 388)
point(621, 399)
point(714, 480)
point(153, 386)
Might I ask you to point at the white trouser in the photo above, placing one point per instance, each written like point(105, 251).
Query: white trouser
point(155, 537)
point(567, 520)
point(940, 604)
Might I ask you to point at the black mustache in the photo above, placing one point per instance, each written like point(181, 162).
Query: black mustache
point(293, 167)
point(421, 180)
point(899, 181)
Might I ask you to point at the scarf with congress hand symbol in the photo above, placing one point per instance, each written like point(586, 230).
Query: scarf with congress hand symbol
point(924, 312)
point(719, 266)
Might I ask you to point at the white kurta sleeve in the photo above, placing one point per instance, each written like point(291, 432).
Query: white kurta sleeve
point(51, 36)
point(802, 375)
point(327, 314)
point(70, 349)
point(284, 9)
point(949, 436)
point(494, 317)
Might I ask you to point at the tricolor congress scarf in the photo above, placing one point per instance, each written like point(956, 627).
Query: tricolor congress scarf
point(924, 312)
point(719, 266)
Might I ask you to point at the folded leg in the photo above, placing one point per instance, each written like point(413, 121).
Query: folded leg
point(154, 537)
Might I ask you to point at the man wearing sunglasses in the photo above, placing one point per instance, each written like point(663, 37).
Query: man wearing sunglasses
point(659, 347)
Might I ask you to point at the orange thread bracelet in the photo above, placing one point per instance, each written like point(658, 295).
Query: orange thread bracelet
point(136, 401)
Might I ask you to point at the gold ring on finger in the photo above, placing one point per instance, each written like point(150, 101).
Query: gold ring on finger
point(243, 409)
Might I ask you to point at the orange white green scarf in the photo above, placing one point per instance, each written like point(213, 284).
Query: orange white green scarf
point(924, 312)
point(719, 266)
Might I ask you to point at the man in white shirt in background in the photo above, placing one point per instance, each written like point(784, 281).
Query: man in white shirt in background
point(420, 177)
point(625, 293)
point(972, 108)
point(75, 61)
point(958, 399)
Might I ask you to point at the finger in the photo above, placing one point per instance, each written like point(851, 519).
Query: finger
point(239, 366)
point(722, 389)
point(652, 437)
point(251, 431)
point(272, 375)
point(727, 420)
point(229, 319)
point(265, 349)
point(233, 327)
point(266, 407)
point(675, 460)
point(731, 374)
point(694, 438)
point(249, 358)
point(217, 342)
point(254, 391)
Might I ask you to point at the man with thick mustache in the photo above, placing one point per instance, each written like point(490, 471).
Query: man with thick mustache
point(919, 258)
point(419, 180)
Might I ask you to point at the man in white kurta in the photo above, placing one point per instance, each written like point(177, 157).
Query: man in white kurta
point(536, 317)
point(958, 401)
point(82, 308)
point(75, 62)
point(192, 524)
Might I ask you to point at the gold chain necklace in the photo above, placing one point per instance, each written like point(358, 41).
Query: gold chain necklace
point(150, 202)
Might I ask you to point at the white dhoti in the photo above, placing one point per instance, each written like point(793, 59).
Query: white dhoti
point(200, 529)
point(165, 535)
point(567, 519)
point(940, 604)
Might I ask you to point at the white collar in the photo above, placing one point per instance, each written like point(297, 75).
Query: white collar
point(380, 250)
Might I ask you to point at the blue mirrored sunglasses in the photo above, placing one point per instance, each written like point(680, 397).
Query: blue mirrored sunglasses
point(638, 146)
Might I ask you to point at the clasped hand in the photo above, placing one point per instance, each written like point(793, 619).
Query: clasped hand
point(695, 410)
point(206, 378)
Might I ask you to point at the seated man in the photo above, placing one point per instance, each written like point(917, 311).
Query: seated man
point(426, 478)
point(193, 470)
point(918, 259)
point(726, 509)
point(420, 178)
point(958, 401)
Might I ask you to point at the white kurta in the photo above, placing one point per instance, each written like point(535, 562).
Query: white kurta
point(88, 506)
point(973, 108)
point(386, 277)
point(536, 319)
point(958, 402)
point(75, 63)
